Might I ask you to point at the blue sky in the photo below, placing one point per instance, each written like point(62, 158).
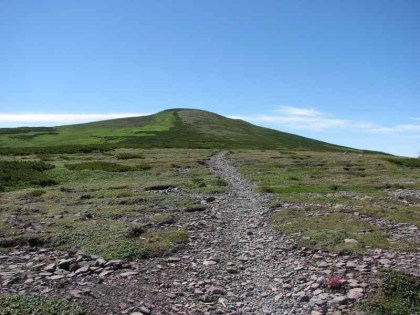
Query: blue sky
point(347, 72)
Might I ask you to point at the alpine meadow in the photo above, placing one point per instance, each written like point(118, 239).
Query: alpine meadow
point(187, 211)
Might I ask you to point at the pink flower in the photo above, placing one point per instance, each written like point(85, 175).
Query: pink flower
point(334, 282)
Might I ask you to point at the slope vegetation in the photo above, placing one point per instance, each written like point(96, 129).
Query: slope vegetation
point(174, 128)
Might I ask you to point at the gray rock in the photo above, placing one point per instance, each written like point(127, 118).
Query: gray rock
point(82, 270)
point(339, 300)
point(73, 267)
point(49, 268)
point(65, 263)
point(217, 291)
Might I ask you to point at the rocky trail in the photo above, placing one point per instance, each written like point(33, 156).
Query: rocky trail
point(234, 263)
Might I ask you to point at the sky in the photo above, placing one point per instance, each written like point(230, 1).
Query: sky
point(345, 72)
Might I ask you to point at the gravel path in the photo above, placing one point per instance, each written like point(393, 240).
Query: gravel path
point(234, 263)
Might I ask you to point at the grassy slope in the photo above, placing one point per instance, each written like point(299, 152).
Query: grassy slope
point(102, 132)
point(176, 128)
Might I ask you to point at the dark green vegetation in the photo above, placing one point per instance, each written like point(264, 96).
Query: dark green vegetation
point(408, 162)
point(106, 167)
point(129, 156)
point(20, 174)
point(66, 149)
point(321, 196)
point(18, 305)
point(175, 128)
point(104, 205)
point(27, 130)
point(399, 295)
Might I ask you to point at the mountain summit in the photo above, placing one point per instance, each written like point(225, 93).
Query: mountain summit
point(177, 128)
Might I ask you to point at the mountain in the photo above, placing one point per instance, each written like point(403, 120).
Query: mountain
point(180, 128)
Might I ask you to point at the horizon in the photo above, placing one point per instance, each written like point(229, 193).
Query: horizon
point(343, 73)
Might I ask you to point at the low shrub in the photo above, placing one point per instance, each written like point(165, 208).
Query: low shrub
point(66, 149)
point(18, 174)
point(163, 218)
point(266, 189)
point(159, 187)
point(106, 167)
point(35, 193)
point(129, 156)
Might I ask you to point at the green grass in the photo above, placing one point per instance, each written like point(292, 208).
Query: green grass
point(399, 294)
point(17, 305)
point(319, 181)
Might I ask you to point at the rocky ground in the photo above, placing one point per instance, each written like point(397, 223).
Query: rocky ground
point(234, 263)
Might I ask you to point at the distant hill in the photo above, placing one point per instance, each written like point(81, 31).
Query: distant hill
point(173, 128)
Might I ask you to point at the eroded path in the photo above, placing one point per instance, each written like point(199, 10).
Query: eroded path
point(234, 263)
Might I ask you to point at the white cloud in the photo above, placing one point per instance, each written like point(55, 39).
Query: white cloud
point(311, 119)
point(298, 111)
point(19, 119)
point(299, 118)
point(299, 121)
point(395, 129)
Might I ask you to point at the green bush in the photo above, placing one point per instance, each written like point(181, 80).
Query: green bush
point(17, 174)
point(106, 167)
point(65, 149)
point(129, 156)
